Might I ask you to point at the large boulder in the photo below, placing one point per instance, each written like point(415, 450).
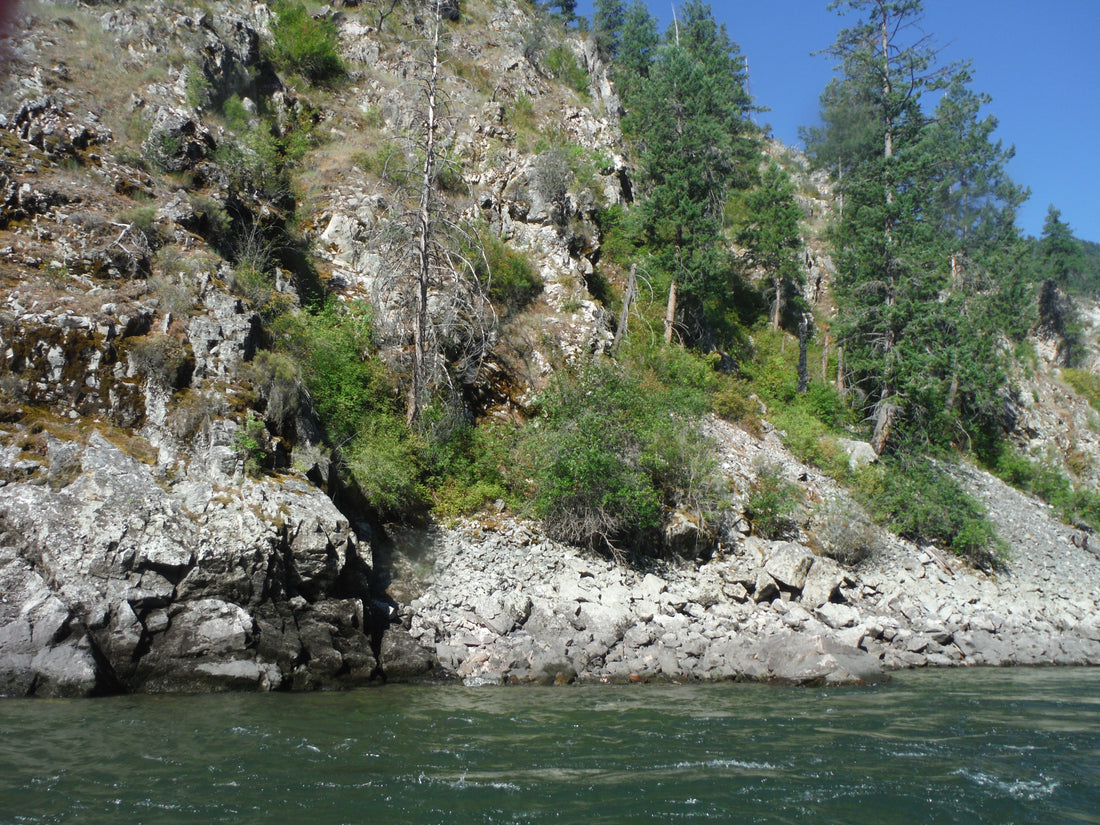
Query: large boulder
point(115, 579)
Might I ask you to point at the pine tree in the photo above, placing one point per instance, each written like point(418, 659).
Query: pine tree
point(883, 283)
point(1062, 255)
point(772, 236)
point(689, 117)
point(608, 17)
point(636, 49)
point(928, 231)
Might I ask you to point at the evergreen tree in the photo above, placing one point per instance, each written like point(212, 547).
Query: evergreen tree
point(688, 116)
point(608, 18)
point(1063, 258)
point(566, 8)
point(636, 49)
point(772, 236)
point(928, 222)
point(973, 201)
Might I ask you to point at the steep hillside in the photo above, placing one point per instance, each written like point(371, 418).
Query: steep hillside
point(210, 227)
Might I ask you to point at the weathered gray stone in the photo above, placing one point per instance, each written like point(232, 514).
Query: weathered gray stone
point(837, 615)
point(788, 564)
point(766, 588)
point(822, 582)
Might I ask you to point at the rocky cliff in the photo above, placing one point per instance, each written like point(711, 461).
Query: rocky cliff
point(154, 159)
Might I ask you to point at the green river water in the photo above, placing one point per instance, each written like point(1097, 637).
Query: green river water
point(962, 746)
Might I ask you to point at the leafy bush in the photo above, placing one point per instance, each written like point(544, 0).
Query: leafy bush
point(563, 65)
point(305, 45)
point(384, 460)
point(1085, 384)
point(472, 467)
point(159, 358)
point(845, 532)
point(386, 161)
point(734, 402)
point(522, 115)
point(354, 397)
point(772, 503)
point(919, 500)
point(249, 444)
point(1040, 478)
point(613, 452)
point(278, 381)
point(512, 281)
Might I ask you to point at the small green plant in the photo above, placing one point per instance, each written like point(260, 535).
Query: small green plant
point(305, 45)
point(920, 500)
point(386, 161)
point(772, 503)
point(615, 452)
point(1085, 384)
point(249, 442)
point(277, 379)
point(563, 65)
point(472, 468)
point(140, 217)
point(158, 358)
point(236, 115)
point(511, 279)
point(197, 88)
point(845, 532)
point(522, 115)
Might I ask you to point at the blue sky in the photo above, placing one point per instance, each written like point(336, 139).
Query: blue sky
point(1036, 58)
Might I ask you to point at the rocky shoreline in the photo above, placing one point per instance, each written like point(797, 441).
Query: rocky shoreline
point(116, 577)
point(497, 602)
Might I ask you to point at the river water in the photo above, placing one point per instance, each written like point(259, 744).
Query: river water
point(961, 746)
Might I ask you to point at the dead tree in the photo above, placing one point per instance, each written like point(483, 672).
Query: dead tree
point(430, 280)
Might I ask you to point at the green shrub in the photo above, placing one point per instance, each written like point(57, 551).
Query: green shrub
point(471, 468)
point(613, 452)
point(919, 500)
point(618, 240)
point(522, 116)
point(249, 444)
point(159, 358)
point(1042, 479)
point(563, 65)
point(383, 458)
point(197, 88)
point(278, 381)
point(512, 280)
point(305, 45)
point(237, 117)
point(1085, 384)
point(354, 398)
point(386, 161)
point(734, 402)
point(772, 503)
point(845, 532)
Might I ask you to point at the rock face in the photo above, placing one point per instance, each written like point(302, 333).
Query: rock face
point(116, 579)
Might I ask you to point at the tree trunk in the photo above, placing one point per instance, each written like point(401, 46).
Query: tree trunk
point(885, 411)
point(778, 282)
point(803, 366)
point(624, 315)
point(670, 312)
point(424, 239)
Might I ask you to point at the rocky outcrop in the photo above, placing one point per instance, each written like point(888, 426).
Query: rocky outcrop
point(115, 577)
